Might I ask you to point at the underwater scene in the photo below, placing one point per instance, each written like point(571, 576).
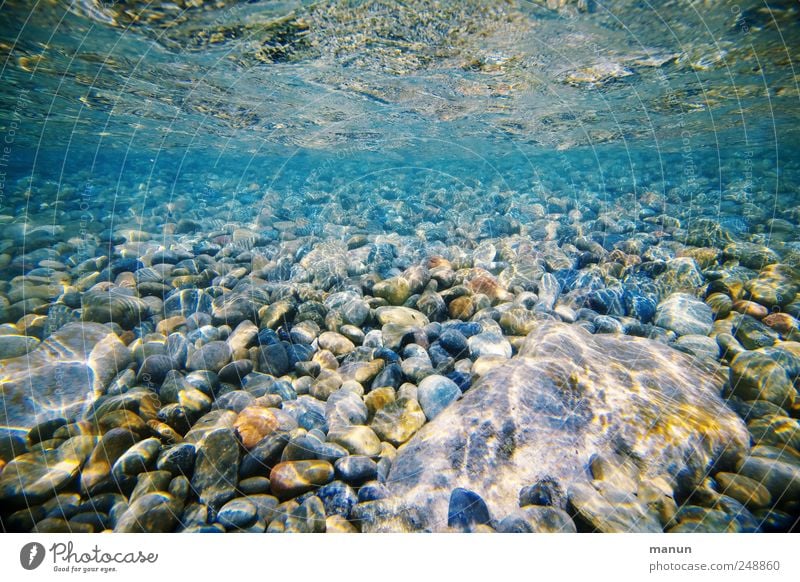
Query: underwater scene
point(399, 266)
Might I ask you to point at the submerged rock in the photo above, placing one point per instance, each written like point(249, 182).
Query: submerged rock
point(61, 376)
point(544, 415)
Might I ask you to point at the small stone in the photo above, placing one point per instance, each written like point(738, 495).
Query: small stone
point(217, 467)
point(684, 314)
point(237, 514)
point(338, 524)
point(398, 421)
point(212, 356)
point(110, 448)
point(292, 478)
point(151, 513)
point(395, 290)
point(401, 316)
point(466, 510)
point(358, 440)
point(611, 511)
point(356, 469)
point(178, 460)
point(253, 424)
point(335, 343)
point(745, 490)
point(536, 519)
point(435, 393)
point(489, 344)
point(781, 479)
point(137, 459)
point(338, 498)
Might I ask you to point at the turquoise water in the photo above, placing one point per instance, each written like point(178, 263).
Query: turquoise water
point(230, 182)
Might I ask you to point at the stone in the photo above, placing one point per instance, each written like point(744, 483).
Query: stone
point(114, 306)
point(151, 513)
point(489, 344)
point(435, 393)
point(395, 290)
point(745, 490)
point(404, 316)
point(775, 285)
point(216, 468)
point(344, 408)
point(781, 479)
point(292, 478)
point(272, 359)
point(765, 374)
point(700, 346)
point(466, 510)
point(338, 524)
point(357, 440)
point(62, 376)
point(614, 512)
point(237, 514)
point(309, 517)
point(567, 390)
point(178, 459)
point(753, 334)
point(137, 459)
point(253, 424)
point(108, 450)
point(356, 469)
point(338, 498)
point(34, 477)
point(398, 421)
point(536, 519)
point(13, 346)
point(212, 356)
point(684, 314)
point(335, 343)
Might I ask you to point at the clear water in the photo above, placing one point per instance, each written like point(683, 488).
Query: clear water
point(627, 97)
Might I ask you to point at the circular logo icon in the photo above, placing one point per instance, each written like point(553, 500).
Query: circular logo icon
point(31, 555)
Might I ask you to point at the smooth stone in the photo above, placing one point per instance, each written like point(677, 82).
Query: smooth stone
point(137, 459)
point(398, 421)
point(212, 356)
point(356, 469)
point(237, 514)
point(272, 359)
point(217, 468)
point(701, 346)
point(684, 314)
point(109, 449)
point(745, 490)
point(338, 524)
point(358, 440)
point(535, 519)
point(765, 374)
point(466, 510)
point(114, 306)
point(62, 376)
point(309, 517)
point(253, 424)
point(151, 513)
point(435, 393)
point(13, 346)
point(344, 408)
point(34, 477)
point(264, 456)
point(292, 478)
point(338, 498)
point(489, 344)
point(401, 316)
point(560, 389)
point(614, 512)
point(335, 343)
point(178, 460)
point(781, 479)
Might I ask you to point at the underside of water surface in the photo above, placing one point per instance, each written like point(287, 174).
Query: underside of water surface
point(381, 266)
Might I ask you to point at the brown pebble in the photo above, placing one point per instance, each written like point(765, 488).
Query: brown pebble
point(783, 323)
point(750, 308)
point(253, 424)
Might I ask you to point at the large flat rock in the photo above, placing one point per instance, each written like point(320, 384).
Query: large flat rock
point(61, 376)
point(567, 398)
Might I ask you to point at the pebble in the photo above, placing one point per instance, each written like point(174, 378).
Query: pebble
point(435, 393)
point(397, 421)
point(684, 314)
point(466, 510)
point(745, 490)
point(356, 469)
point(357, 440)
point(212, 356)
point(292, 478)
point(253, 424)
point(216, 467)
point(237, 514)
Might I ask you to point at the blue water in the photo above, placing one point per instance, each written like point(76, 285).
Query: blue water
point(274, 151)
